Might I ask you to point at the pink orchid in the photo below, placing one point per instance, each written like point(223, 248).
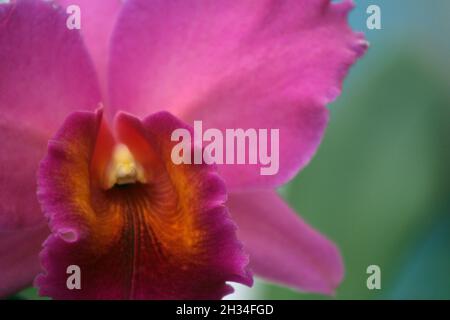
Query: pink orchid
point(167, 235)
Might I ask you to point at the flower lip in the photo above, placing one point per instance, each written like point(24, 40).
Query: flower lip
point(168, 238)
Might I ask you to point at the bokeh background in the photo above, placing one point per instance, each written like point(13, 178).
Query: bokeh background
point(379, 185)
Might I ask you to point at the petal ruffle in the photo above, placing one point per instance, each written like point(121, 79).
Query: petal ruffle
point(282, 247)
point(19, 257)
point(45, 73)
point(169, 237)
point(237, 64)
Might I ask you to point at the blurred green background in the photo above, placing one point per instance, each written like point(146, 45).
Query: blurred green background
point(379, 185)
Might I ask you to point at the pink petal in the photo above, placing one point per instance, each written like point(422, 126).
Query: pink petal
point(169, 237)
point(98, 18)
point(237, 64)
point(282, 247)
point(19, 261)
point(45, 73)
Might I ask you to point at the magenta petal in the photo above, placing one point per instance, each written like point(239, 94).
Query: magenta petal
point(237, 64)
point(19, 260)
point(45, 73)
point(282, 247)
point(97, 20)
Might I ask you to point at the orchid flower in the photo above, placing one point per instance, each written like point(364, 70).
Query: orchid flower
point(97, 186)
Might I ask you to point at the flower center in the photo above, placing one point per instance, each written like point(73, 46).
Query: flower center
point(123, 168)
